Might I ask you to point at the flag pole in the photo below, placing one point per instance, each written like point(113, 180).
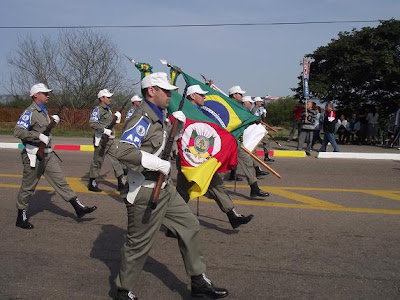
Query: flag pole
point(261, 162)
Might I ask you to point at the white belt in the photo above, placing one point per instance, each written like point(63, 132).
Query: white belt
point(31, 152)
point(152, 184)
point(136, 180)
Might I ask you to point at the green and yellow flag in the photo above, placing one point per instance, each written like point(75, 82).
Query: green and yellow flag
point(226, 112)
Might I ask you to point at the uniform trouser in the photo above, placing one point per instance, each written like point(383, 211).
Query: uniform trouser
point(305, 136)
point(51, 170)
point(246, 163)
point(216, 189)
point(171, 211)
point(97, 162)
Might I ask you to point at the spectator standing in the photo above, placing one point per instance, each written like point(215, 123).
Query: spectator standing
point(329, 129)
point(317, 131)
point(307, 126)
point(296, 122)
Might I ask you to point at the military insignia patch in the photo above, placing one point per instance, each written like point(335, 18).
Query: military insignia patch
point(136, 133)
point(95, 115)
point(24, 120)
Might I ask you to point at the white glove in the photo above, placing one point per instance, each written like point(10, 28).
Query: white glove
point(118, 115)
point(44, 138)
point(154, 163)
point(107, 131)
point(56, 118)
point(180, 116)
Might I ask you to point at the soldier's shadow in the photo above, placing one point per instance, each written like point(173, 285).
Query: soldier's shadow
point(101, 180)
point(41, 201)
point(107, 247)
point(215, 227)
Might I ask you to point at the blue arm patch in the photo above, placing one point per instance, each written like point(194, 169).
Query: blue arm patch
point(24, 120)
point(136, 133)
point(95, 115)
point(129, 114)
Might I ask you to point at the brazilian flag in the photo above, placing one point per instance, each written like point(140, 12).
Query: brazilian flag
point(226, 112)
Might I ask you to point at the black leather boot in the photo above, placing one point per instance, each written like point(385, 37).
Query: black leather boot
point(260, 172)
point(125, 295)
point(256, 192)
point(93, 186)
point(122, 187)
point(202, 286)
point(22, 220)
point(81, 209)
point(238, 219)
point(267, 159)
point(232, 176)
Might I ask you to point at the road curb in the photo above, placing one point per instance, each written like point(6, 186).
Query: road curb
point(20, 146)
point(353, 155)
point(90, 148)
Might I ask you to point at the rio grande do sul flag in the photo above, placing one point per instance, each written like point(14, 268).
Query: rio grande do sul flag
point(204, 147)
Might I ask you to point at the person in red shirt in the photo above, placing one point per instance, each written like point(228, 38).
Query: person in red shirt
point(297, 111)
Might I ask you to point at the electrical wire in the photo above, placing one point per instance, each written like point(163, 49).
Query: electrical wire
point(191, 25)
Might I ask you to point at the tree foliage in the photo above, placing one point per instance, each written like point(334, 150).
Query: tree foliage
point(359, 67)
point(76, 66)
point(280, 112)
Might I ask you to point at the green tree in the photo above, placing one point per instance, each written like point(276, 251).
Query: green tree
point(280, 112)
point(359, 67)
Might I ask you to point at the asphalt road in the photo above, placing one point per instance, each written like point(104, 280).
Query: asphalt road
point(329, 230)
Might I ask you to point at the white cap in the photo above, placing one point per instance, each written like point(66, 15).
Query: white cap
point(105, 93)
point(136, 98)
point(195, 89)
point(258, 99)
point(236, 89)
point(39, 88)
point(159, 79)
point(247, 99)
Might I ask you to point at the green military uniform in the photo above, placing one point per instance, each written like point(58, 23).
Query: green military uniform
point(30, 125)
point(100, 118)
point(145, 132)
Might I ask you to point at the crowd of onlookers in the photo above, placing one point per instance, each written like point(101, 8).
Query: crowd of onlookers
point(357, 128)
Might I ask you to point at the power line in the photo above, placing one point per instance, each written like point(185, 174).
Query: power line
point(192, 25)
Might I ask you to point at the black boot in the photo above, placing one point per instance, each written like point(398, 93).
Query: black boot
point(260, 172)
point(232, 176)
point(92, 186)
point(202, 286)
point(22, 220)
point(237, 219)
point(125, 295)
point(267, 159)
point(81, 209)
point(122, 187)
point(255, 191)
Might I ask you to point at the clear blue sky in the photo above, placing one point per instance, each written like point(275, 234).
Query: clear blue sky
point(261, 59)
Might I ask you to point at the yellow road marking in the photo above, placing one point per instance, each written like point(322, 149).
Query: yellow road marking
point(299, 197)
point(79, 186)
